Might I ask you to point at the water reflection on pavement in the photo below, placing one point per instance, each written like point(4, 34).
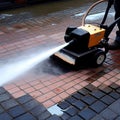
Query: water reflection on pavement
point(56, 8)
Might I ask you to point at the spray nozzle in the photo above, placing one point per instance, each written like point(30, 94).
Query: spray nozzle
point(71, 42)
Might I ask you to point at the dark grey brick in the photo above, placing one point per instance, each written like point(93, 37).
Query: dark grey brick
point(115, 107)
point(9, 104)
point(90, 87)
point(87, 114)
point(84, 91)
point(98, 117)
point(54, 117)
point(24, 99)
point(98, 94)
point(44, 116)
point(72, 111)
point(4, 97)
point(2, 90)
point(1, 109)
point(5, 116)
point(89, 99)
point(115, 95)
point(118, 118)
point(26, 116)
point(107, 100)
point(65, 116)
point(114, 86)
point(16, 111)
point(98, 106)
point(108, 114)
point(76, 117)
point(31, 104)
point(77, 95)
point(63, 105)
point(107, 90)
point(71, 99)
point(79, 104)
point(118, 90)
point(38, 110)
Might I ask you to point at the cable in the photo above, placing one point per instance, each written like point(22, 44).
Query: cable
point(91, 7)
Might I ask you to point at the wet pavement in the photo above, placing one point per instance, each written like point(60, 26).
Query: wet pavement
point(84, 94)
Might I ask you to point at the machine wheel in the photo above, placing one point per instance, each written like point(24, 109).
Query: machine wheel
point(98, 58)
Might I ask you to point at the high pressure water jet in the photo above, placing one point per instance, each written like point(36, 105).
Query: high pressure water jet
point(11, 71)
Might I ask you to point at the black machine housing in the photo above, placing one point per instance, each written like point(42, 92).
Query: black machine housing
point(78, 52)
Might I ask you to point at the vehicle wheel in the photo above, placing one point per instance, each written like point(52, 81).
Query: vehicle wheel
point(98, 58)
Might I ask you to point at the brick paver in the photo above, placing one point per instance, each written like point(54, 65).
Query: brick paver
point(84, 94)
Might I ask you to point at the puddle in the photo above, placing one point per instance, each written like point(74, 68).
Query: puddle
point(55, 110)
point(99, 16)
point(4, 16)
point(28, 12)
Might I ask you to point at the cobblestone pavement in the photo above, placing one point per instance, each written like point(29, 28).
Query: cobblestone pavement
point(84, 94)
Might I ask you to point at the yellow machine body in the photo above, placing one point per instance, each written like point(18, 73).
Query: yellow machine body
point(96, 34)
point(88, 36)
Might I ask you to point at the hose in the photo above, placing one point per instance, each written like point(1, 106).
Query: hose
point(91, 7)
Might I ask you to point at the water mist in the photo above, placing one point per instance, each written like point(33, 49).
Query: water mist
point(11, 71)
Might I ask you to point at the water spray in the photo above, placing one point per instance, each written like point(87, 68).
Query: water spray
point(11, 71)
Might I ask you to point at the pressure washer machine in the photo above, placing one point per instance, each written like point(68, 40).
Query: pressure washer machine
point(87, 42)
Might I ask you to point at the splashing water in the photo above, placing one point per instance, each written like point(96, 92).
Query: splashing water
point(11, 71)
point(97, 16)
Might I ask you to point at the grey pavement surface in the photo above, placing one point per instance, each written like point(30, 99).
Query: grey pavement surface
point(89, 103)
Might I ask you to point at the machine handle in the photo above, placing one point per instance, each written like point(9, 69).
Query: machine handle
point(110, 3)
point(110, 28)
